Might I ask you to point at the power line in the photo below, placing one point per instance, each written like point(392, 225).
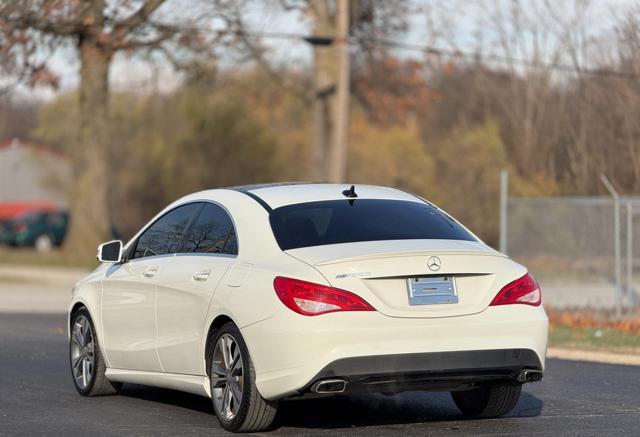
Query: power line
point(509, 60)
point(442, 52)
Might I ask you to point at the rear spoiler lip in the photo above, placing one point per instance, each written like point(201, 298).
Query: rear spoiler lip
point(382, 255)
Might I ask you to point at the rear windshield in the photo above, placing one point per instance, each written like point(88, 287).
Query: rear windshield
point(348, 221)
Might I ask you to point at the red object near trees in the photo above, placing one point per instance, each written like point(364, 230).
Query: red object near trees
point(11, 210)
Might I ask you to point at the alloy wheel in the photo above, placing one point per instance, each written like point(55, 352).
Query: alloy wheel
point(227, 377)
point(82, 352)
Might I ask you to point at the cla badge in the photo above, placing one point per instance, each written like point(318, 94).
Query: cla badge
point(434, 263)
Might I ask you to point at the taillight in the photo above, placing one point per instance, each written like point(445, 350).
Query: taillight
point(311, 299)
point(524, 290)
point(20, 227)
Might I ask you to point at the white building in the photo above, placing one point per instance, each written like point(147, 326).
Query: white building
point(30, 173)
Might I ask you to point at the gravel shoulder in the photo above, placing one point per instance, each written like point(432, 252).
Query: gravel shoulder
point(35, 289)
point(40, 275)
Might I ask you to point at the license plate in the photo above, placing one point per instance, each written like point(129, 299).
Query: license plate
point(432, 290)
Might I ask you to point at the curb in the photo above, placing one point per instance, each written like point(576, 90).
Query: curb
point(593, 356)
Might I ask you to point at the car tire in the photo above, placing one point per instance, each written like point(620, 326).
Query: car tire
point(85, 358)
point(488, 401)
point(252, 413)
point(44, 243)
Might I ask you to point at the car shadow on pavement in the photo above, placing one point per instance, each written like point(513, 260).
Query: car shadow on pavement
point(343, 411)
point(377, 409)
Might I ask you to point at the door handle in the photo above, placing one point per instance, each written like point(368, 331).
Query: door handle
point(150, 272)
point(202, 275)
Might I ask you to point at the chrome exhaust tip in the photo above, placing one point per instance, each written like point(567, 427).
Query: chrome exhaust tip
point(529, 375)
point(329, 386)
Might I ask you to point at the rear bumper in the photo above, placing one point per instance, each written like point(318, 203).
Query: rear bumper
point(426, 371)
point(292, 352)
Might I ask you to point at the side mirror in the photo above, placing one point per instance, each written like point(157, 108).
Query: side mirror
point(110, 252)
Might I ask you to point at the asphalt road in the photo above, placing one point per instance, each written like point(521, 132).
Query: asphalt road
point(37, 398)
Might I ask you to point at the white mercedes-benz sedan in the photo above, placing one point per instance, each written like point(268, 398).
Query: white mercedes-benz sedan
point(249, 295)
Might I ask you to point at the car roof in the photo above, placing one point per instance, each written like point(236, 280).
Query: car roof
point(275, 195)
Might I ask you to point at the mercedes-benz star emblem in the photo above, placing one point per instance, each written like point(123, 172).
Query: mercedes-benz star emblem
point(434, 263)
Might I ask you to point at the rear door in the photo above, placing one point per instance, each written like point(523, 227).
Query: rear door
point(129, 293)
point(190, 280)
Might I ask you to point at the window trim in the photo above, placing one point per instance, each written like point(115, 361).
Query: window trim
point(222, 255)
point(133, 246)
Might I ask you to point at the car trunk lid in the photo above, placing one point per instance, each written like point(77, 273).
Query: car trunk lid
point(381, 273)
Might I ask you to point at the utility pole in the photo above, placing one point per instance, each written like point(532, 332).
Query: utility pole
point(617, 265)
point(337, 170)
point(629, 252)
point(324, 85)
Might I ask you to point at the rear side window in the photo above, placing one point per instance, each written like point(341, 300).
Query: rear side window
point(348, 221)
point(211, 232)
point(165, 235)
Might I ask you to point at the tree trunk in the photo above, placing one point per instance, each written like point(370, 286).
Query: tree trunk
point(90, 219)
point(322, 125)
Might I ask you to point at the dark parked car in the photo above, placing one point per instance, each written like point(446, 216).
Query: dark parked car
point(40, 229)
point(5, 231)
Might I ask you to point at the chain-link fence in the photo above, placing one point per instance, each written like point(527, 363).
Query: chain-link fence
point(569, 244)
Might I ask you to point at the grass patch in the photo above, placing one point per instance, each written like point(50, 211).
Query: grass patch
point(601, 339)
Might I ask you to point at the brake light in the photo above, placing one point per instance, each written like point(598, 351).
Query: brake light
point(311, 299)
point(20, 227)
point(523, 291)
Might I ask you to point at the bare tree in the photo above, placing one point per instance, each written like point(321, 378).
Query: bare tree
point(370, 21)
point(99, 30)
